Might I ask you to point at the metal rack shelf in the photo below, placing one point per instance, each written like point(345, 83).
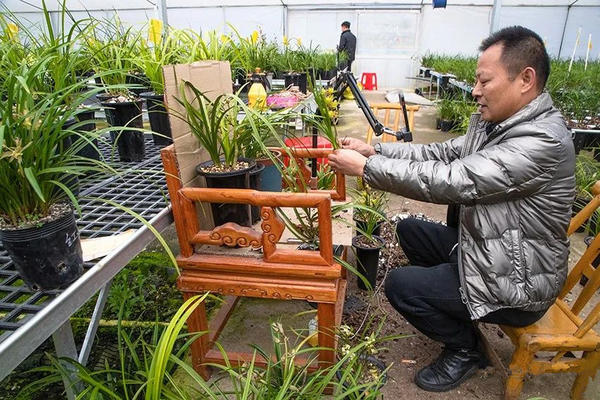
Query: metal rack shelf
point(27, 318)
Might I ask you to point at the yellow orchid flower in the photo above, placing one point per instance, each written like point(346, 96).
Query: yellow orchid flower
point(299, 42)
point(286, 41)
point(12, 30)
point(155, 31)
point(254, 37)
point(14, 153)
point(224, 38)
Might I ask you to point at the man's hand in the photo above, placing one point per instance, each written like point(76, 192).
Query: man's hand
point(348, 162)
point(357, 145)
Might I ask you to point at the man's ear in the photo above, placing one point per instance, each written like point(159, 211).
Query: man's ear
point(528, 80)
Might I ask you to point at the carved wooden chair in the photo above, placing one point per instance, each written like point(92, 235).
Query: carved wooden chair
point(277, 273)
point(388, 109)
point(563, 329)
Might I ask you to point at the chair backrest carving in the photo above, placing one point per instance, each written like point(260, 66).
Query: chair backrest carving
point(272, 227)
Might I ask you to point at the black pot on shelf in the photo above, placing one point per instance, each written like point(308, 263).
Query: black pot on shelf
point(159, 118)
point(255, 183)
point(141, 82)
point(90, 150)
point(240, 179)
point(128, 114)
point(578, 141)
point(367, 260)
point(70, 181)
point(296, 79)
point(241, 78)
point(46, 257)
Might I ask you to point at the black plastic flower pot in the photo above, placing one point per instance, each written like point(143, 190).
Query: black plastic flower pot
point(141, 82)
point(587, 138)
point(296, 79)
point(70, 181)
point(338, 249)
point(255, 178)
point(89, 150)
point(448, 125)
point(241, 78)
point(128, 114)
point(579, 139)
point(373, 361)
point(159, 118)
point(270, 178)
point(367, 259)
point(46, 257)
point(327, 74)
point(240, 179)
point(362, 226)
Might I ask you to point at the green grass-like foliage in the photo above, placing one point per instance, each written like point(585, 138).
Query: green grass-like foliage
point(152, 365)
point(214, 123)
point(38, 153)
point(575, 91)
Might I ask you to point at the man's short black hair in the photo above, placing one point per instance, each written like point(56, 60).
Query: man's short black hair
point(521, 48)
point(346, 24)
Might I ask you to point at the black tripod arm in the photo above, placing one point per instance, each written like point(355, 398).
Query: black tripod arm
point(347, 79)
point(400, 135)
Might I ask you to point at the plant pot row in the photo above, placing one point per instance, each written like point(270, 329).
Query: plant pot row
point(299, 79)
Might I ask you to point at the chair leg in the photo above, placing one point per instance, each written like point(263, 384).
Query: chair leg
point(518, 368)
point(326, 314)
point(591, 362)
point(197, 322)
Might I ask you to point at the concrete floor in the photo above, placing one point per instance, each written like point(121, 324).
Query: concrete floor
point(250, 322)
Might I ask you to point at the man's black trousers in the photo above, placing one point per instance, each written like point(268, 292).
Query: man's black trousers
point(427, 294)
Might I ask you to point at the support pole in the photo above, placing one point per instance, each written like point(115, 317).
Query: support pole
point(495, 16)
point(64, 343)
point(163, 15)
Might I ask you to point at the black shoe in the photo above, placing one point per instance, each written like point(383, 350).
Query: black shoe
point(451, 369)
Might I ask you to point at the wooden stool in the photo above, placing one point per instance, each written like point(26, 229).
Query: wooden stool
point(277, 273)
point(388, 109)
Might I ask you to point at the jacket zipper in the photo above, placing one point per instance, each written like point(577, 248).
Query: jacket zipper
point(463, 283)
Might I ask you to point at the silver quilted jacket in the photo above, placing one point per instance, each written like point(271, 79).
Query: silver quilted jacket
point(515, 186)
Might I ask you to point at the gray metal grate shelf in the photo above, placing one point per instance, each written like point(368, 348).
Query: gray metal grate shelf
point(142, 189)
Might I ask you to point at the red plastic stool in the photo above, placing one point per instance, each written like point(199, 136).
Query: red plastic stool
point(307, 143)
point(369, 80)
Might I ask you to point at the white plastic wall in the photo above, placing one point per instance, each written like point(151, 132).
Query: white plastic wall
point(392, 35)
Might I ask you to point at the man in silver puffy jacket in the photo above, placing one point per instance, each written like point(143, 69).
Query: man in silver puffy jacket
point(509, 183)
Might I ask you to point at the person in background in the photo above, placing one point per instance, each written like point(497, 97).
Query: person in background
point(347, 45)
point(509, 183)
